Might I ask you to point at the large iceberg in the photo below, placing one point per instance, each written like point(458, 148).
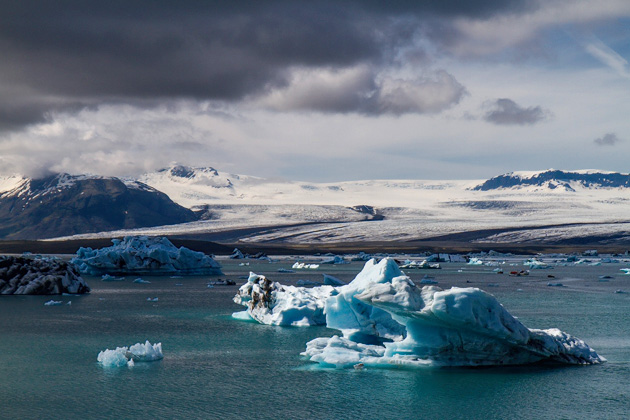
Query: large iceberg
point(455, 327)
point(39, 276)
point(385, 319)
point(127, 356)
point(271, 303)
point(144, 255)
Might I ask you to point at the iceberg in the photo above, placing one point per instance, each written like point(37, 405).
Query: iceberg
point(39, 276)
point(144, 255)
point(271, 303)
point(455, 327)
point(127, 356)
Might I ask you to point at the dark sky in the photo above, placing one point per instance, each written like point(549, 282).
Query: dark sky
point(360, 59)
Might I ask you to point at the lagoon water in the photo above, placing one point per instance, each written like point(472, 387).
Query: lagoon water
point(218, 367)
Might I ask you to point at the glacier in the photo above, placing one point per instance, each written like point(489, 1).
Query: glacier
point(385, 319)
point(127, 356)
point(144, 255)
point(39, 276)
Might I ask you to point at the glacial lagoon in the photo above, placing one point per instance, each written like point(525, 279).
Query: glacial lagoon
point(217, 367)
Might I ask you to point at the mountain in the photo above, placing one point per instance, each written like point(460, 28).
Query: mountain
point(554, 179)
point(63, 204)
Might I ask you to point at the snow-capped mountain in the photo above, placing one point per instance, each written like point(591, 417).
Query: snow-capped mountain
point(552, 179)
point(516, 207)
point(592, 202)
point(65, 204)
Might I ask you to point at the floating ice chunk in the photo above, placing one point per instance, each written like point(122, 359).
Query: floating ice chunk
point(333, 281)
point(53, 303)
point(334, 260)
point(237, 254)
point(141, 281)
point(38, 275)
point(428, 280)
point(152, 299)
point(534, 264)
point(107, 277)
point(455, 327)
point(285, 270)
point(475, 261)
point(625, 270)
point(144, 255)
point(127, 356)
point(271, 303)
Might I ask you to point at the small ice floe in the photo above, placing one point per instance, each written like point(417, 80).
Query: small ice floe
point(555, 284)
point(605, 278)
point(285, 270)
point(475, 261)
point(141, 281)
point(498, 270)
point(625, 270)
point(619, 291)
point(493, 284)
point(243, 264)
point(428, 280)
point(152, 299)
point(127, 356)
point(332, 281)
point(359, 366)
point(222, 282)
point(69, 303)
point(53, 303)
point(107, 277)
point(300, 265)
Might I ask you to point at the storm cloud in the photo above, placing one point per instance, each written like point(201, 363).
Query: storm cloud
point(505, 111)
point(73, 54)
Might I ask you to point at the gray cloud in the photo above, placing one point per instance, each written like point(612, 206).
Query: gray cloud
point(361, 90)
point(72, 54)
point(505, 111)
point(609, 139)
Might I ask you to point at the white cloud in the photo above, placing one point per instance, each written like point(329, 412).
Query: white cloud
point(609, 57)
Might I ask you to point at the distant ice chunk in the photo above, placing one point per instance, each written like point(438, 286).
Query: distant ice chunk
point(334, 260)
point(127, 356)
point(141, 281)
point(144, 255)
point(333, 281)
point(107, 277)
point(53, 303)
point(37, 275)
point(475, 261)
point(237, 254)
point(271, 303)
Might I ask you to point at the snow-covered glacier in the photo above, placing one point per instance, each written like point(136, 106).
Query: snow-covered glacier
point(144, 255)
point(385, 319)
point(39, 276)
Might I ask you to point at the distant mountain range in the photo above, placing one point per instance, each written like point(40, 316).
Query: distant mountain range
point(166, 201)
point(552, 179)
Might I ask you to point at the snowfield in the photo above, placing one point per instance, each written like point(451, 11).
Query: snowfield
point(388, 210)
